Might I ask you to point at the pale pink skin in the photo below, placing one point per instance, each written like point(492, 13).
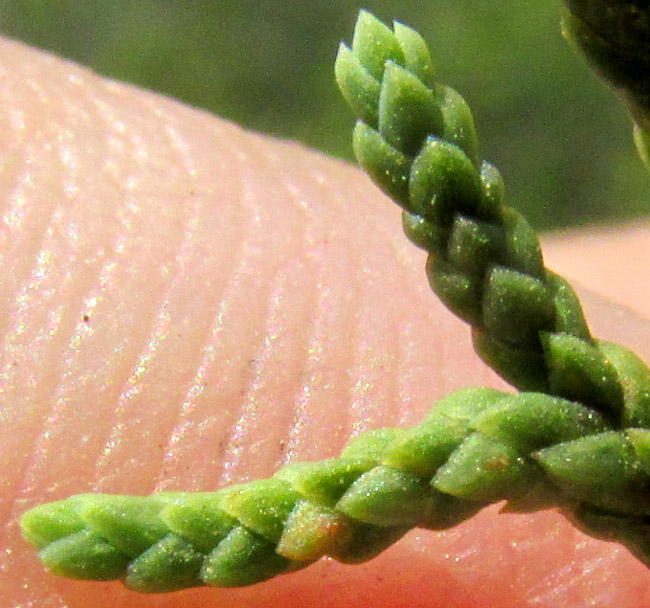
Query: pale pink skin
point(186, 305)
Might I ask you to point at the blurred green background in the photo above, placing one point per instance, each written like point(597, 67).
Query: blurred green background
point(560, 137)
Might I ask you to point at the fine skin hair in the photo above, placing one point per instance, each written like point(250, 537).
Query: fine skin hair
point(187, 305)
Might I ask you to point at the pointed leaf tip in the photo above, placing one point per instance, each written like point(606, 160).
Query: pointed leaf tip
point(374, 43)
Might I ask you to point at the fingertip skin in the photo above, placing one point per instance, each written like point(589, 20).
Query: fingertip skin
point(244, 542)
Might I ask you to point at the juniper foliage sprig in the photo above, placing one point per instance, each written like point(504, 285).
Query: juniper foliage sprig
point(580, 442)
point(417, 140)
point(476, 447)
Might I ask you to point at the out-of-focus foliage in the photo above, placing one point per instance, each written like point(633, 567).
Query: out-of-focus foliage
point(559, 136)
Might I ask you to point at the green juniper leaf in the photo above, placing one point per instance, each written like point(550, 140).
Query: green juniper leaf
point(171, 564)
point(47, 523)
point(521, 367)
point(532, 421)
point(569, 318)
point(359, 88)
point(516, 307)
point(485, 470)
point(408, 112)
point(473, 245)
point(459, 126)
point(634, 377)
point(86, 556)
point(581, 372)
point(130, 523)
point(424, 448)
point(200, 519)
point(387, 166)
point(490, 208)
point(625, 23)
point(640, 441)
point(522, 251)
point(615, 36)
point(242, 558)
point(475, 447)
point(262, 505)
point(313, 530)
point(326, 481)
point(459, 292)
point(368, 541)
point(370, 445)
point(443, 181)
point(375, 44)
point(423, 233)
point(398, 498)
point(602, 470)
point(417, 58)
point(642, 142)
point(463, 405)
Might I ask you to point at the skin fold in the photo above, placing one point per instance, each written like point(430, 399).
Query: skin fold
point(186, 305)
